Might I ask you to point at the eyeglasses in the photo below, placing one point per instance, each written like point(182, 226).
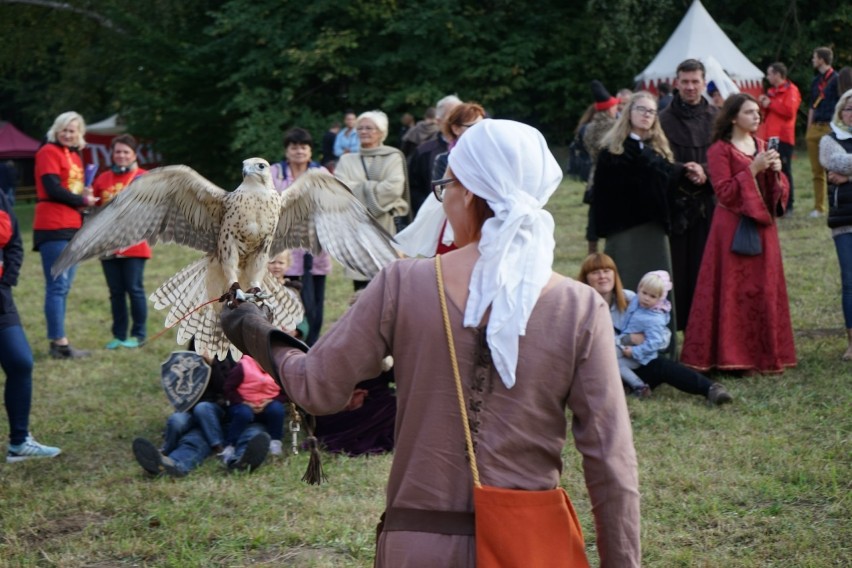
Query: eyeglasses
point(366, 129)
point(438, 187)
point(645, 110)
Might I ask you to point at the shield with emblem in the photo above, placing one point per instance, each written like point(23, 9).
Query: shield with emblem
point(184, 375)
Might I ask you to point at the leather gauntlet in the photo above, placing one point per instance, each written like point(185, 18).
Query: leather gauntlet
point(247, 327)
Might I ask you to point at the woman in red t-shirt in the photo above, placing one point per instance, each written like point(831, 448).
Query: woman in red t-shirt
point(61, 196)
point(124, 269)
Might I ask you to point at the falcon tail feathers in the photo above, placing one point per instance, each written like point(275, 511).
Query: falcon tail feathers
point(187, 290)
point(182, 294)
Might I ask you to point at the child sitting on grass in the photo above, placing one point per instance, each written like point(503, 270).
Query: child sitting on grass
point(253, 396)
point(645, 329)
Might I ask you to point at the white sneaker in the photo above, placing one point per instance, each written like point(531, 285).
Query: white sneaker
point(227, 455)
point(30, 449)
point(275, 448)
point(814, 214)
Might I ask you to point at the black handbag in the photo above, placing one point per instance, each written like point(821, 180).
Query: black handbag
point(746, 238)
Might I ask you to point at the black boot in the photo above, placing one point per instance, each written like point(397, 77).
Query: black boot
point(66, 351)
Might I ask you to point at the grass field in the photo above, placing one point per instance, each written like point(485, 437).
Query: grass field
point(762, 482)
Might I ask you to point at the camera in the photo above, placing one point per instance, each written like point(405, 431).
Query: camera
point(773, 143)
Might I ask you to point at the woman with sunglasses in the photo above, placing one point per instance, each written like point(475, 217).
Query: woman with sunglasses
point(529, 344)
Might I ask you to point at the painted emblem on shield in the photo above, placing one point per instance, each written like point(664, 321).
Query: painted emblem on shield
point(184, 375)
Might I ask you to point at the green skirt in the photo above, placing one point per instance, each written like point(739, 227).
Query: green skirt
point(636, 252)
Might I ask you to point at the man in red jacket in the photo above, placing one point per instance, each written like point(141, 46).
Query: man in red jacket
point(780, 107)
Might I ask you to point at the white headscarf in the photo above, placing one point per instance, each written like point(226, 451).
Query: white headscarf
point(510, 166)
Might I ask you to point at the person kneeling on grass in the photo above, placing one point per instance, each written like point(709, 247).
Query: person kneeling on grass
point(196, 430)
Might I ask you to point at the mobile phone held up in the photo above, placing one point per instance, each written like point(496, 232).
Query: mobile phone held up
point(772, 144)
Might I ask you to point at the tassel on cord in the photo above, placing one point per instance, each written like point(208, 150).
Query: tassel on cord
point(314, 475)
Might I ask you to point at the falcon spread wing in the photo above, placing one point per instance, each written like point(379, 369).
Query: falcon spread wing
point(319, 212)
point(169, 204)
point(236, 231)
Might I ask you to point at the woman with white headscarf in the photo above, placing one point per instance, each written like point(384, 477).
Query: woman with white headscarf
point(529, 344)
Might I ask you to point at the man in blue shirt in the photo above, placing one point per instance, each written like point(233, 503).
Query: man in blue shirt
point(347, 141)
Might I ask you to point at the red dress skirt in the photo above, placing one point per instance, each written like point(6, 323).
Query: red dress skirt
point(740, 315)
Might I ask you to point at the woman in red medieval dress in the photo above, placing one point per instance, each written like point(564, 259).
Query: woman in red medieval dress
point(740, 318)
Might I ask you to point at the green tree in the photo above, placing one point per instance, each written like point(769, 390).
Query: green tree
point(216, 81)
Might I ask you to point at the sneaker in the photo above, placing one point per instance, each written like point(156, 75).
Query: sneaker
point(254, 454)
point(275, 448)
point(114, 344)
point(67, 352)
point(152, 461)
point(226, 455)
point(30, 449)
point(814, 214)
point(718, 395)
point(131, 343)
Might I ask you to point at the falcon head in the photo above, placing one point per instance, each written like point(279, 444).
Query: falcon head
point(258, 170)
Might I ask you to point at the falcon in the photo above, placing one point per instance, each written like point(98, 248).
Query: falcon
point(238, 231)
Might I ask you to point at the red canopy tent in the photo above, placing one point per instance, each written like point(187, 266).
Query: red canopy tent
point(20, 149)
point(16, 144)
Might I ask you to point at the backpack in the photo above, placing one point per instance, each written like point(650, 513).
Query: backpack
point(579, 161)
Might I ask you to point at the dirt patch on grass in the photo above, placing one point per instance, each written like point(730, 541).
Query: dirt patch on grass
point(60, 527)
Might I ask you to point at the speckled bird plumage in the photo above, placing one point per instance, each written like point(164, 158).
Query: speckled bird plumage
point(238, 231)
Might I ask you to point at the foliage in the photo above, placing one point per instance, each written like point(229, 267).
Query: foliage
point(216, 81)
point(763, 482)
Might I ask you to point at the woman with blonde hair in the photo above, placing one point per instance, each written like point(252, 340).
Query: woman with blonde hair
point(633, 177)
point(835, 155)
point(62, 195)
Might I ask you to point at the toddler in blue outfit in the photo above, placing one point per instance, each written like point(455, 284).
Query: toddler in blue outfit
point(644, 329)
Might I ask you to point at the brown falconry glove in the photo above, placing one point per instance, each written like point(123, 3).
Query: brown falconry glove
point(247, 327)
point(250, 331)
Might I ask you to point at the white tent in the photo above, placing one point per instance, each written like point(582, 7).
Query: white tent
point(698, 36)
point(108, 126)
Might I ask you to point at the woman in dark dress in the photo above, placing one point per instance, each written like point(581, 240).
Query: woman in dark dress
point(633, 177)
